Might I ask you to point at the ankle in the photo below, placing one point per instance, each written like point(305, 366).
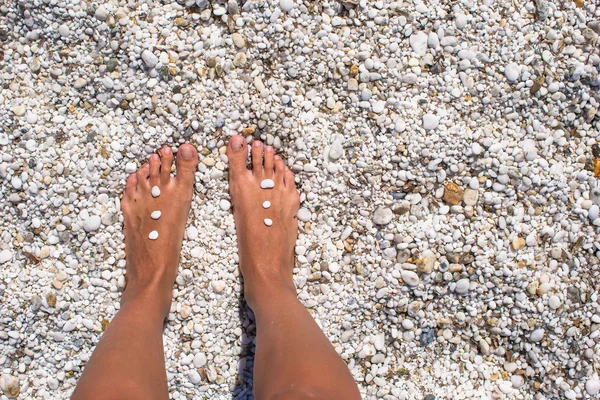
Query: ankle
point(259, 294)
point(153, 298)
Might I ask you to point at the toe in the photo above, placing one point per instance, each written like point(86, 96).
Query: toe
point(187, 162)
point(257, 152)
point(269, 162)
point(237, 154)
point(131, 186)
point(288, 179)
point(165, 164)
point(154, 169)
point(142, 176)
point(279, 170)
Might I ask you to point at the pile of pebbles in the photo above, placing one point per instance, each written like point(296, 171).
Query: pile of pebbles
point(446, 152)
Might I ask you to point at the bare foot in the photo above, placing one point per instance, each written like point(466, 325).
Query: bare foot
point(152, 264)
point(266, 253)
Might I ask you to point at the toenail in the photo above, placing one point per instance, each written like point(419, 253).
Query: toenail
point(166, 150)
point(186, 153)
point(237, 143)
point(154, 157)
point(269, 149)
point(277, 158)
point(257, 143)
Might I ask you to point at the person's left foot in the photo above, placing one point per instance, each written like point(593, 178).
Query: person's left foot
point(152, 262)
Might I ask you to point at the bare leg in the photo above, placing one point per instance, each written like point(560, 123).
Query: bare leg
point(294, 359)
point(128, 362)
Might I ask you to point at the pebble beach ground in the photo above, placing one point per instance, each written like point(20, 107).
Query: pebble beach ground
point(446, 152)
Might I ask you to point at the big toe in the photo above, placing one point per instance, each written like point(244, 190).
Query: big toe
point(187, 162)
point(237, 154)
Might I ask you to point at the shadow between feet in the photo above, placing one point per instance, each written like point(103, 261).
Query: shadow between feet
point(243, 389)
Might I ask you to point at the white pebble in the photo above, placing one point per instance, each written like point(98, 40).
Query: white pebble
point(592, 387)
point(64, 30)
point(537, 335)
point(286, 5)
point(267, 184)
point(92, 223)
point(218, 286)
point(304, 214)
point(155, 191)
point(130, 168)
point(149, 58)
point(462, 286)
point(199, 360)
point(5, 255)
point(191, 232)
point(224, 205)
point(266, 204)
point(512, 71)
point(153, 235)
point(155, 214)
point(410, 278)
point(268, 222)
point(430, 122)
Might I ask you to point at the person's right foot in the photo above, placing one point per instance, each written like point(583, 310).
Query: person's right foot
point(266, 252)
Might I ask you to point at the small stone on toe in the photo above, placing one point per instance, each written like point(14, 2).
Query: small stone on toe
point(267, 204)
point(155, 214)
point(153, 235)
point(155, 191)
point(268, 222)
point(267, 184)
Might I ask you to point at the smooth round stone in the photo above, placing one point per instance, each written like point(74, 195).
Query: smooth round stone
point(410, 278)
point(286, 5)
point(64, 30)
point(462, 286)
point(593, 212)
point(238, 40)
point(191, 232)
point(225, 205)
point(336, 150)
point(155, 214)
point(517, 381)
point(407, 324)
point(266, 204)
point(5, 255)
point(592, 387)
point(512, 71)
point(304, 214)
point(153, 235)
point(155, 191)
point(130, 168)
point(194, 377)
point(505, 387)
point(333, 267)
point(461, 21)
point(537, 335)
point(383, 216)
point(268, 222)
point(101, 13)
point(149, 58)
point(554, 302)
point(218, 286)
point(92, 223)
point(430, 122)
point(267, 184)
point(199, 360)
